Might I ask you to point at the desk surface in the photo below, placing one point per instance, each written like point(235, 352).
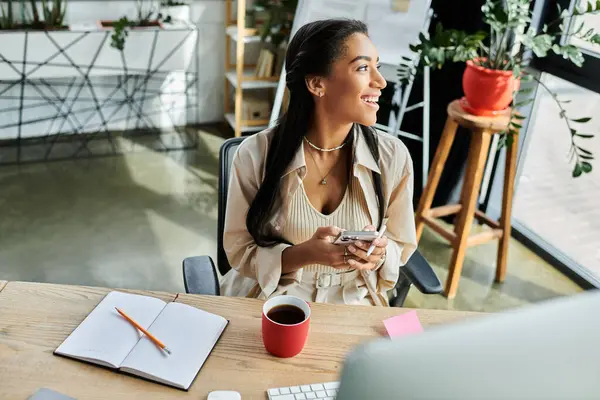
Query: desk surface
point(37, 317)
point(2, 284)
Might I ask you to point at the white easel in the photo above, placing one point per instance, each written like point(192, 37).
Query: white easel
point(390, 55)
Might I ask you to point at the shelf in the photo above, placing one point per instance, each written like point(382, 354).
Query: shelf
point(250, 35)
point(251, 82)
point(230, 117)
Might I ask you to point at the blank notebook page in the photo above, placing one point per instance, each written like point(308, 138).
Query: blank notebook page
point(105, 335)
point(189, 333)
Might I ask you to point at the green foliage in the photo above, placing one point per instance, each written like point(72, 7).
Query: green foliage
point(279, 18)
point(120, 33)
point(6, 15)
point(510, 41)
point(147, 12)
point(53, 13)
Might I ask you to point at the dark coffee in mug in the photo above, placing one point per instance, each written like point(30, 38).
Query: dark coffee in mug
point(286, 314)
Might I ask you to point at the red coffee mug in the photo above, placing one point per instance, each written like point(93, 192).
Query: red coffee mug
point(285, 340)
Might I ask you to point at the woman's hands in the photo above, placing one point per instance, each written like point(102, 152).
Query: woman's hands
point(359, 250)
point(321, 250)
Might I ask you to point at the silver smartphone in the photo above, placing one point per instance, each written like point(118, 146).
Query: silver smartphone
point(348, 237)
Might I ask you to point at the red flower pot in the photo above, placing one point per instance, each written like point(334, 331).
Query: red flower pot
point(487, 91)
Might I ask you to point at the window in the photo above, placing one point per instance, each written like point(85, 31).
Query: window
point(558, 210)
point(589, 21)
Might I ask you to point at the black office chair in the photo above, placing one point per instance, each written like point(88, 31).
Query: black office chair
point(200, 274)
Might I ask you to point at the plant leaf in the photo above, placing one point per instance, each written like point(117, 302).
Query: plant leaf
point(571, 53)
point(582, 120)
point(524, 103)
point(586, 157)
point(584, 136)
point(540, 44)
point(525, 91)
point(577, 171)
point(526, 78)
point(584, 151)
point(586, 167)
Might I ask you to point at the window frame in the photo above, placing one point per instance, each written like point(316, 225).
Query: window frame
point(558, 66)
point(544, 11)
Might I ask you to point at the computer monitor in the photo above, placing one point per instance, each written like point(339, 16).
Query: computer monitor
point(546, 351)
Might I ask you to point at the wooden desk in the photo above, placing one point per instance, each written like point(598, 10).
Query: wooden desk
point(35, 318)
point(2, 284)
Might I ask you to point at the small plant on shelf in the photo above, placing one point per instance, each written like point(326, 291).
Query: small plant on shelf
point(53, 15)
point(278, 17)
point(496, 64)
point(6, 15)
point(53, 11)
point(147, 16)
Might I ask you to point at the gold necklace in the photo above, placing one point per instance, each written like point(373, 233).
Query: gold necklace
point(324, 178)
point(325, 150)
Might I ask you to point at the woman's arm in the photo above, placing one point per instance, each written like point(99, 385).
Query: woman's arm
point(295, 257)
point(401, 231)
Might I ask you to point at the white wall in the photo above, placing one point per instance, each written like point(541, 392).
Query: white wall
point(209, 16)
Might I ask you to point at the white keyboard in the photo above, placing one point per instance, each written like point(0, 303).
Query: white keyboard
point(321, 391)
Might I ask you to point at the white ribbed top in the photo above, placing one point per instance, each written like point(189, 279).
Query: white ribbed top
point(303, 219)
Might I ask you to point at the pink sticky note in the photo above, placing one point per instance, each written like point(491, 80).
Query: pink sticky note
point(404, 324)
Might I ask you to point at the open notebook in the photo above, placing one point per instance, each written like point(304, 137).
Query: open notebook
point(106, 338)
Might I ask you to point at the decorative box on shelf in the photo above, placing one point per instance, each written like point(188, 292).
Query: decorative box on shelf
point(256, 106)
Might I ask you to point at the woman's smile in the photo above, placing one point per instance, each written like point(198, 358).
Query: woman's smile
point(371, 100)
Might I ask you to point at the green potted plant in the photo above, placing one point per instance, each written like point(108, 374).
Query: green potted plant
point(496, 64)
point(148, 15)
point(6, 15)
point(53, 13)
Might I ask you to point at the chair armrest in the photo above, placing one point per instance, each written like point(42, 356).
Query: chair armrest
point(200, 276)
point(419, 273)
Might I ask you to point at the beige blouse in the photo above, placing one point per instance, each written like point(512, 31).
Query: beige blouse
point(303, 219)
point(263, 264)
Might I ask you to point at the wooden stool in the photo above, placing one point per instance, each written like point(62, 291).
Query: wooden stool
point(482, 129)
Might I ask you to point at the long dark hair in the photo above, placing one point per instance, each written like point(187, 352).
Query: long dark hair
point(312, 51)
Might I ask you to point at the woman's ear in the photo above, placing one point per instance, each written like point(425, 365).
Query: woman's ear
point(315, 85)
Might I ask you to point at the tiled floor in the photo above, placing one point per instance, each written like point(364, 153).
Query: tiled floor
point(128, 221)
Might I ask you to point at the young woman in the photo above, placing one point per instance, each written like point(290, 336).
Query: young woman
point(319, 171)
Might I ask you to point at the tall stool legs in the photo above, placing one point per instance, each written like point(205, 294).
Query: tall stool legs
point(482, 129)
